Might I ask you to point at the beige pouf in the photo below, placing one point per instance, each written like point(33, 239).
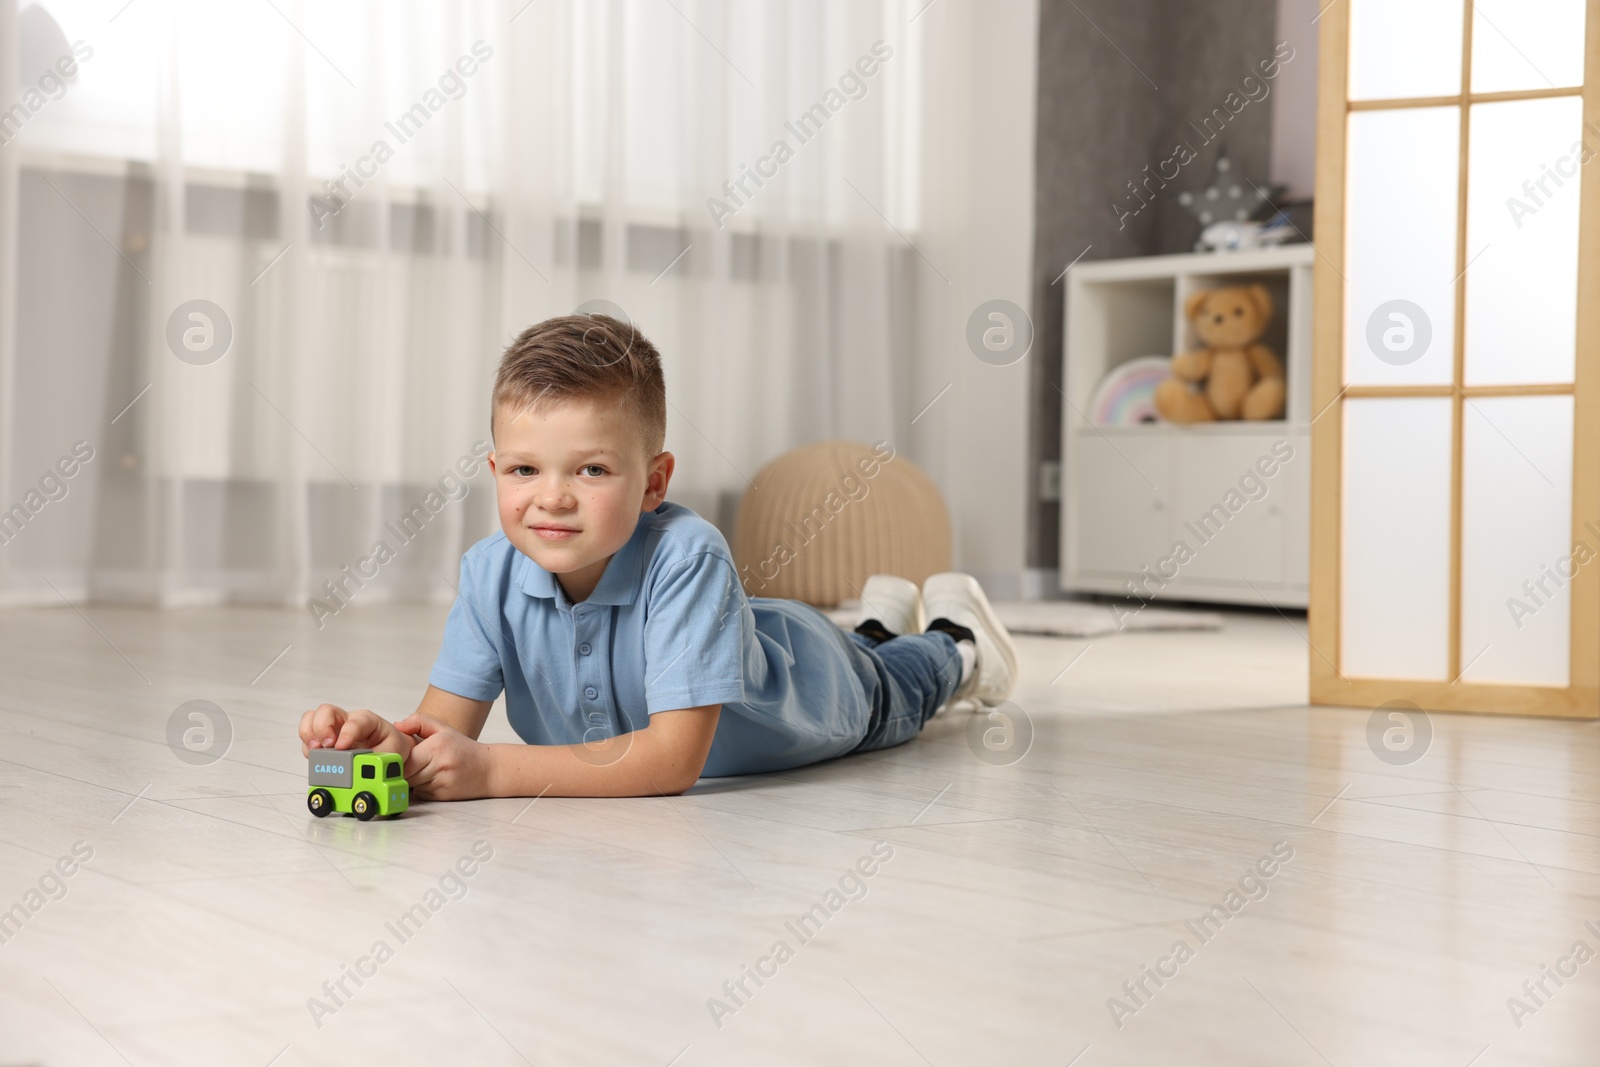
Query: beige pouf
point(822, 518)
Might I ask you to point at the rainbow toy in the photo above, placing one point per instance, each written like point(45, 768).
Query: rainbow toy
point(1126, 396)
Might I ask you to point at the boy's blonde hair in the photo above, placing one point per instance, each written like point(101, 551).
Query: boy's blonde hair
point(590, 357)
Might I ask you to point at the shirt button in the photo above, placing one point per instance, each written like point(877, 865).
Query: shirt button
point(584, 648)
point(591, 692)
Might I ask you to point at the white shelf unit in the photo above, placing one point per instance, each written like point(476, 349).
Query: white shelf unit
point(1132, 495)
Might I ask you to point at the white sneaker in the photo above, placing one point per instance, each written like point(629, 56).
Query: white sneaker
point(959, 598)
point(893, 601)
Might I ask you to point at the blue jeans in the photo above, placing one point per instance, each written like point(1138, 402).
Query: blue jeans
point(907, 678)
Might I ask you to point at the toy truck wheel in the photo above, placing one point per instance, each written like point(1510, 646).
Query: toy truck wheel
point(320, 801)
point(364, 806)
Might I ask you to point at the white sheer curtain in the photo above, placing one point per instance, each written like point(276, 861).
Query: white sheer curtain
point(512, 160)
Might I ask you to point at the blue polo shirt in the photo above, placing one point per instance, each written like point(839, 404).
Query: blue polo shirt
point(668, 626)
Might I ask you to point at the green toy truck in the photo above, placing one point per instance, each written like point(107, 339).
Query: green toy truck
point(357, 781)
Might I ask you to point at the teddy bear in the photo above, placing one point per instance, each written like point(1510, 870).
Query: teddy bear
point(1232, 377)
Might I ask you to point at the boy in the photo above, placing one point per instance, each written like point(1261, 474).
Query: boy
point(632, 660)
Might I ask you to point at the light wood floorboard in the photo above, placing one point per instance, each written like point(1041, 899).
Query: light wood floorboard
point(1019, 898)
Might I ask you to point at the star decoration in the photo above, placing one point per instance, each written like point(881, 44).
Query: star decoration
point(1224, 197)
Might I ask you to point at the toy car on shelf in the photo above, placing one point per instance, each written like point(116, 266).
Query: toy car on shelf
point(357, 781)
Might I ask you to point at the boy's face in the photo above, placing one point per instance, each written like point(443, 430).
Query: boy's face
point(571, 481)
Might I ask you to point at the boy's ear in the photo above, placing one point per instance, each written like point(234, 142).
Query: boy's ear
point(660, 476)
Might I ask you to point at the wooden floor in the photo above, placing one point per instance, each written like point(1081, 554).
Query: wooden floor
point(1009, 898)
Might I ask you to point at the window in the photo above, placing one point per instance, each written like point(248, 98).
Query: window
point(391, 770)
point(364, 64)
point(643, 105)
point(368, 771)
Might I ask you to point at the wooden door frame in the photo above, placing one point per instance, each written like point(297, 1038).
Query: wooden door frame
point(1581, 697)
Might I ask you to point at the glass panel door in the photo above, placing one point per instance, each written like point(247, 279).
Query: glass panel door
point(1456, 391)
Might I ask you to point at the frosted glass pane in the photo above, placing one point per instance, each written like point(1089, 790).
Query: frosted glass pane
point(1402, 48)
point(1526, 44)
point(1522, 241)
point(1400, 246)
point(1394, 614)
point(1516, 539)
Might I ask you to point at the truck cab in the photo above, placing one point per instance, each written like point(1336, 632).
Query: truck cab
point(356, 781)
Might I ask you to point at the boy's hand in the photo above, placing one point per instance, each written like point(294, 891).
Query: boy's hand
point(445, 764)
point(330, 726)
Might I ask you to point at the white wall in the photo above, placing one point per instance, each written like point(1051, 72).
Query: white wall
point(977, 232)
point(1294, 107)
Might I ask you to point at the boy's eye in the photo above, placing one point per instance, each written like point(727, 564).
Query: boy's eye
point(519, 470)
point(596, 468)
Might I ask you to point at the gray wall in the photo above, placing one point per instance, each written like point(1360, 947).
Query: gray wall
point(1116, 95)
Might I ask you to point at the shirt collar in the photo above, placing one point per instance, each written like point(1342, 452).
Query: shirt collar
point(619, 582)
